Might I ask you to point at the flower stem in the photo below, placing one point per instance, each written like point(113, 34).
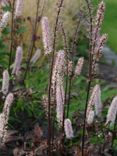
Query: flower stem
point(32, 45)
point(84, 124)
point(50, 80)
point(90, 73)
point(11, 37)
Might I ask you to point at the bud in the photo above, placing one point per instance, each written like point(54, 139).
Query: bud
point(47, 38)
point(18, 60)
point(5, 82)
point(79, 66)
point(36, 56)
point(68, 129)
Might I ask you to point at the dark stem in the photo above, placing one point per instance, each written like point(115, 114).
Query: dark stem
point(90, 74)
point(72, 58)
point(75, 38)
point(84, 123)
point(67, 74)
point(50, 80)
point(69, 96)
point(66, 86)
point(12, 40)
point(65, 101)
point(32, 45)
point(90, 20)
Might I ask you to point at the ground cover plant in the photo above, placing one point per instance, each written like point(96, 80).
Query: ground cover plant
point(54, 99)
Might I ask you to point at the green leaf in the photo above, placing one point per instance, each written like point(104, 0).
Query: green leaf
point(21, 30)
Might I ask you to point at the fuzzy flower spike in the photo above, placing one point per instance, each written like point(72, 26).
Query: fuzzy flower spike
point(79, 66)
point(18, 60)
point(94, 102)
point(58, 70)
point(19, 8)
point(5, 82)
point(100, 14)
point(3, 2)
point(47, 40)
point(4, 116)
point(68, 129)
point(5, 19)
point(112, 112)
point(60, 96)
point(36, 56)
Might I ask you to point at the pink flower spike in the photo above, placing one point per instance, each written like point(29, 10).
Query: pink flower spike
point(68, 129)
point(18, 60)
point(47, 38)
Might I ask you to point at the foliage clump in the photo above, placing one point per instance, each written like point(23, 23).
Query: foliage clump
point(42, 112)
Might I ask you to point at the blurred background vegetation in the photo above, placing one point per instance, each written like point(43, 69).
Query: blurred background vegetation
point(71, 9)
point(38, 77)
point(39, 81)
point(110, 22)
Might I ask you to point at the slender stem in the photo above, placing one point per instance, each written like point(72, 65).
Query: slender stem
point(67, 74)
point(32, 40)
point(90, 74)
point(69, 95)
point(66, 86)
point(69, 80)
point(84, 124)
point(50, 80)
point(65, 101)
point(12, 32)
point(53, 127)
point(72, 57)
point(91, 21)
point(75, 38)
point(87, 98)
